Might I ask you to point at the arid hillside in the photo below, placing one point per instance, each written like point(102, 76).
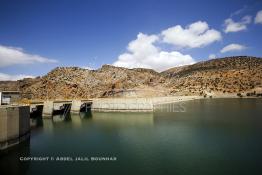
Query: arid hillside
point(229, 75)
point(9, 85)
point(224, 75)
point(73, 82)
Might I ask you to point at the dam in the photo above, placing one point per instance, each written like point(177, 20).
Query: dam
point(15, 119)
point(49, 107)
point(130, 104)
point(14, 125)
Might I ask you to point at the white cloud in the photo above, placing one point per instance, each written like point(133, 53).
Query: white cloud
point(6, 77)
point(195, 35)
point(143, 53)
point(88, 68)
point(233, 47)
point(212, 56)
point(232, 26)
point(258, 18)
point(13, 56)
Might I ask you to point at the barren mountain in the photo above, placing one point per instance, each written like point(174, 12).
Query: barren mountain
point(73, 82)
point(225, 75)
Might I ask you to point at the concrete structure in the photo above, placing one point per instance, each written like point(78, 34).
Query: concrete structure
point(36, 109)
point(49, 107)
point(106, 104)
point(76, 105)
point(14, 125)
point(9, 97)
point(135, 104)
point(122, 104)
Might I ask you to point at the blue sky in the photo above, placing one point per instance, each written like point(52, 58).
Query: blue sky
point(37, 36)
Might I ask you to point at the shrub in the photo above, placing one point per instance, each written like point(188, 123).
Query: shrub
point(239, 95)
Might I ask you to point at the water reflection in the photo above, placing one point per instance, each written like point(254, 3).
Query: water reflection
point(76, 121)
point(85, 115)
point(61, 118)
point(99, 118)
point(36, 122)
point(239, 115)
point(48, 125)
point(123, 119)
point(9, 159)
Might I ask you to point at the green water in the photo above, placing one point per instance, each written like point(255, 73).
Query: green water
point(201, 137)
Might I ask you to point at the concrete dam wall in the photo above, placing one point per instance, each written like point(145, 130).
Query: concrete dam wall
point(14, 125)
point(135, 104)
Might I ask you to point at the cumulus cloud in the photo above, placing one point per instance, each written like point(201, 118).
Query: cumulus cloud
point(7, 77)
point(13, 56)
point(195, 35)
point(143, 53)
point(212, 56)
point(233, 47)
point(258, 18)
point(232, 26)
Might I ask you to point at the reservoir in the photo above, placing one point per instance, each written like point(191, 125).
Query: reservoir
point(199, 137)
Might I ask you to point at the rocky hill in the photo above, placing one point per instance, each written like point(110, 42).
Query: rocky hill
point(226, 75)
point(74, 82)
point(9, 86)
point(229, 75)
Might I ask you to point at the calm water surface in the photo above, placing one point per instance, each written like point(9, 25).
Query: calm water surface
point(213, 136)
